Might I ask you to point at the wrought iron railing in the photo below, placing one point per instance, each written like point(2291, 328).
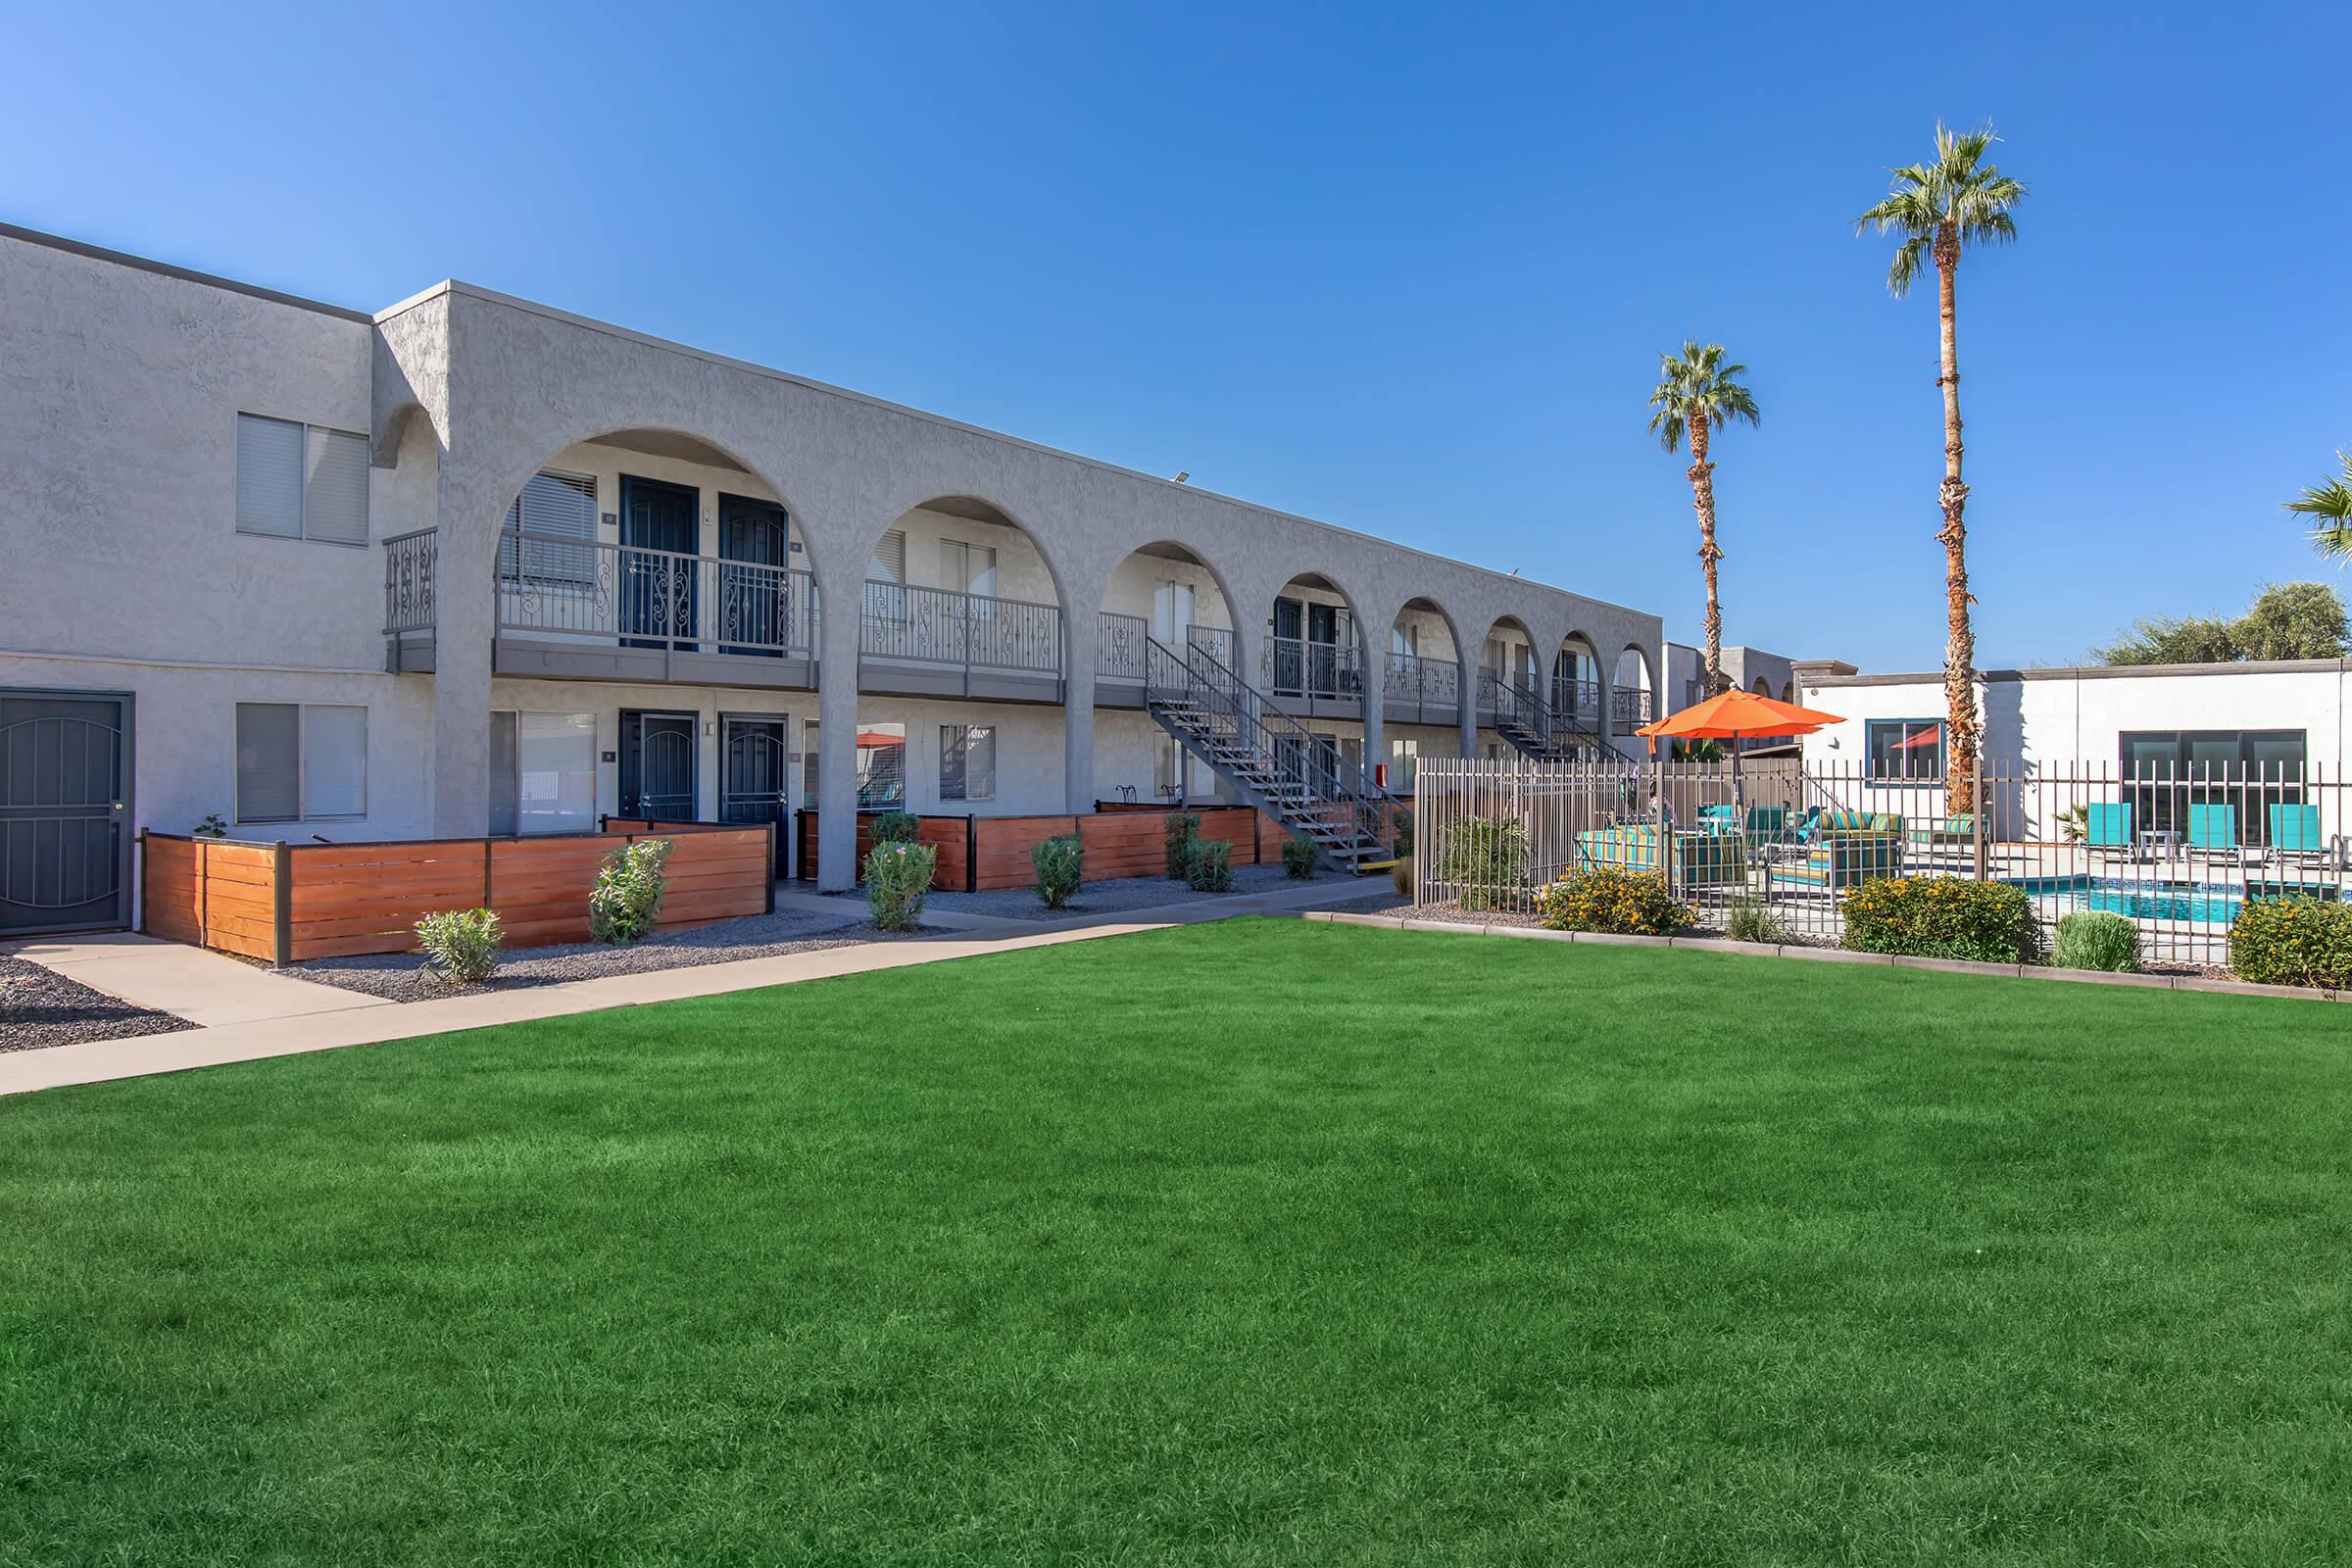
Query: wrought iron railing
point(1325, 787)
point(1577, 703)
point(1295, 668)
point(1629, 707)
point(1416, 679)
point(1515, 706)
point(408, 564)
point(975, 631)
point(1119, 645)
point(1216, 641)
point(552, 585)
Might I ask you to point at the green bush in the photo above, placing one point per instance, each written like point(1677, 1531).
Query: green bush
point(1607, 899)
point(212, 827)
point(2296, 941)
point(897, 827)
point(1184, 830)
point(1941, 917)
point(1208, 868)
point(2093, 939)
point(627, 897)
point(897, 876)
point(1749, 918)
point(460, 946)
point(1298, 857)
point(1400, 833)
point(1059, 864)
point(1484, 857)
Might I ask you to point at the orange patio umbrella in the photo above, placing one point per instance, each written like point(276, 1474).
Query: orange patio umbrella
point(1735, 715)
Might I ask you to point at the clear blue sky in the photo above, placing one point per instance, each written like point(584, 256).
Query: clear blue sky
point(1406, 270)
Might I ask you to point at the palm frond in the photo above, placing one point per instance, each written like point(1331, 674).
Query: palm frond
point(1957, 195)
point(1697, 383)
point(2332, 504)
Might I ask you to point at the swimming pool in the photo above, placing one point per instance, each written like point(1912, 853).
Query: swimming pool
point(2161, 899)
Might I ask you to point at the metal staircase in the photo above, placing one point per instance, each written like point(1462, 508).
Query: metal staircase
point(1532, 726)
point(1272, 759)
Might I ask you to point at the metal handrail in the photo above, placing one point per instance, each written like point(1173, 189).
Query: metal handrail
point(560, 585)
point(942, 626)
point(1337, 790)
point(1216, 639)
point(1578, 700)
point(1520, 707)
point(1420, 678)
point(1294, 666)
point(1629, 705)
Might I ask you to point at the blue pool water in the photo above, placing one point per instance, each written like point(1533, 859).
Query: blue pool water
point(2156, 899)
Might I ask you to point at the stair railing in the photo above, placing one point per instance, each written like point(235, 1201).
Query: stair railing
point(1522, 709)
point(1337, 792)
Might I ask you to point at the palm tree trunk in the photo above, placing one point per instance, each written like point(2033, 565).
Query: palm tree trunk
point(1960, 647)
point(1701, 475)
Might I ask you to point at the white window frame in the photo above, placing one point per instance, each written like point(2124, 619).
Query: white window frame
point(302, 501)
point(302, 780)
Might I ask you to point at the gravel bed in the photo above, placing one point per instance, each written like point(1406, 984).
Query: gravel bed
point(401, 977)
point(40, 1008)
point(1123, 892)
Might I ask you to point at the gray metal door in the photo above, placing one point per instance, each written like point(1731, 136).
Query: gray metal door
point(65, 840)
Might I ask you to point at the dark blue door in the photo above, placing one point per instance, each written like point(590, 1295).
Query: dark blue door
point(754, 613)
point(660, 530)
point(65, 846)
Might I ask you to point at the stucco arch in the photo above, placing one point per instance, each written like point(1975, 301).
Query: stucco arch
point(1196, 556)
point(963, 503)
point(1429, 603)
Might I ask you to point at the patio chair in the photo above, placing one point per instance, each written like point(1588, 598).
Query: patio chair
point(2295, 838)
point(1955, 831)
point(2213, 834)
point(1841, 849)
point(1701, 860)
point(2107, 828)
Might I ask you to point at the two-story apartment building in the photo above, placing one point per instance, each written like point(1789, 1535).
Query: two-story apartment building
point(471, 565)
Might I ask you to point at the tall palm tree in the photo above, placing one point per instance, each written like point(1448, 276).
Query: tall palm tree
point(2332, 504)
point(1936, 210)
point(1696, 393)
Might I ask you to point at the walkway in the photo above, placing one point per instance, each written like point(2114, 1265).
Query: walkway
point(246, 1013)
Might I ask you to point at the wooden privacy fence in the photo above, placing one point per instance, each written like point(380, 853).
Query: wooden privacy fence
point(983, 853)
point(283, 902)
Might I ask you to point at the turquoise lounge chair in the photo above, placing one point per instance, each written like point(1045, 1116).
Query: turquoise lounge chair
point(2213, 829)
point(2295, 834)
point(2107, 826)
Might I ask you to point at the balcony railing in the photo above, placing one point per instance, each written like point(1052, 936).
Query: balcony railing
point(1215, 641)
point(1576, 703)
point(1295, 668)
point(1122, 646)
point(565, 588)
point(1629, 707)
point(975, 631)
point(1422, 690)
point(410, 560)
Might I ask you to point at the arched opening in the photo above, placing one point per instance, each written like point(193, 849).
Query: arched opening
point(1423, 680)
point(1509, 656)
point(1313, 658)
point(1631, 699)
point(1788, 690)
point(1762, 687)
point(1163, 603)
point(652, 557)
point(1575, 684)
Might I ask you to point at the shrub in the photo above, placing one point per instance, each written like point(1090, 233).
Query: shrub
point(2093, 939)
point(1941, 917)
point(1208, 868)
point(1606, 898)
point(1749, 918)
point(897, 827)
point(1057, 862)
point(627, 897)
point(1184, 830)
point(1298, 857)
point(1401, 873)
point(460, 946)
point(2294, 941)
point(212, 827)
point(1484, 857)
point(897, 876)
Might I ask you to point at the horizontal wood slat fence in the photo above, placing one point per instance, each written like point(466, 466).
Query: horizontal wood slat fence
point(284, 902)
point(985, 853)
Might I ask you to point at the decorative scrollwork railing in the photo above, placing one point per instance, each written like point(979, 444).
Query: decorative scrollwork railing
point(1417, 685)
point(409, 561)
point(974, 631)
point(1629, 707)
point(1577, 703)
point(554, 586)
point(1295, 668)
point(1119, 645)
point(1215, 641)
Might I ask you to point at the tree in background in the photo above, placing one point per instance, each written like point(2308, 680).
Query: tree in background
point(2288, 620)
point(1936, 209)
point(2332, 505)
point(1696, 393)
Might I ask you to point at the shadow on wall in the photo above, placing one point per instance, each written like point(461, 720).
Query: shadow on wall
point(2002, 745)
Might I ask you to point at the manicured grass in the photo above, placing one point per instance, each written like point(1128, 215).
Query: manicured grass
point(1261, 1242)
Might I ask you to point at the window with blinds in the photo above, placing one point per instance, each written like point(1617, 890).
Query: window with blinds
point(297, 762)
point(967, 762)
point(884, 596)
point(301, 481)
point(552, 509)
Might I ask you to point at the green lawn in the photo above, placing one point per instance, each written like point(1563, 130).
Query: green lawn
point(1259, 1242)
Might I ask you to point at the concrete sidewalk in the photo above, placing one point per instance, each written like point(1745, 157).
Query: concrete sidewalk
point(248, 1013)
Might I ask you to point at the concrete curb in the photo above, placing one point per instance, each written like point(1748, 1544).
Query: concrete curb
point(1762, 950)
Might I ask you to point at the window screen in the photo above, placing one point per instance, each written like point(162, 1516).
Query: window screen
point(334, 762)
